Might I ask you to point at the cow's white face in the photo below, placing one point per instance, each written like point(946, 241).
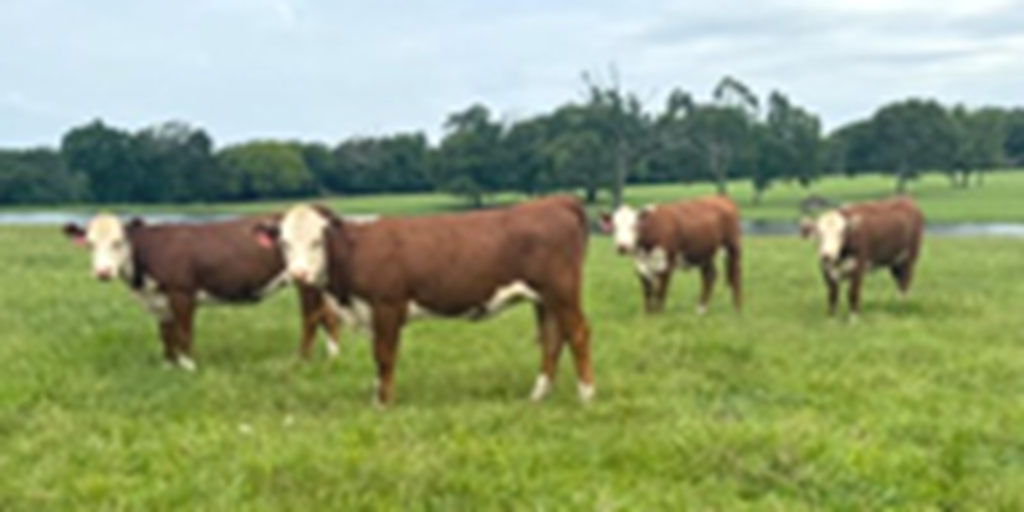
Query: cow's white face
point(624, 228)
point(831, 229)
point(302, 237)
point(110, 247)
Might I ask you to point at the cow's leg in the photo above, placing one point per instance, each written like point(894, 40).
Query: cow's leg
point(903, 274)
point(551, 343)
point(332, 326)
point(315, 312)
point(733, 258)
point(169, 337)
point(573, 327)
point(659, 290)
point(708, 273)
point(183, 308)
point(647, 284)
point(387, 326)
point(833, 292)
point(856, 279)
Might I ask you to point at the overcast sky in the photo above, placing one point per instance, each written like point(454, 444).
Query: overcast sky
point(327, 70)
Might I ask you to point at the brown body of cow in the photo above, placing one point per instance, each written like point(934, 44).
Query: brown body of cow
point(385, 272)
point(172, 268)
point(682, 235)
point(866, 236)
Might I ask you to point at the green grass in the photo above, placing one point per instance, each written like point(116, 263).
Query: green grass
point(918, 406)
point(999, 200)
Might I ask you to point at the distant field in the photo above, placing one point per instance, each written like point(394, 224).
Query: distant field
point(1001, 199)
point(919, 406)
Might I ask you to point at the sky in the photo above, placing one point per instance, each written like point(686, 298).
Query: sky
point(328, 70)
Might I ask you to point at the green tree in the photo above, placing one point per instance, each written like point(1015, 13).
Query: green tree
point(178, 163)
point(980, 138)
point(39, 176)
point(109, 158)
point(266, 169)
point(789, 148)
point(468, 159)
point(913, 136)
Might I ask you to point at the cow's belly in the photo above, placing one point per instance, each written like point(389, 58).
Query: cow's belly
point(502, 298)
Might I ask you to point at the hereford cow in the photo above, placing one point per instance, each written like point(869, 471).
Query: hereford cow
point(383, 273)
point(856, 238)
point(663, 237)
point(172, 268)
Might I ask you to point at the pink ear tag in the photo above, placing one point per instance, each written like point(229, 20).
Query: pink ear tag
point(264, 240)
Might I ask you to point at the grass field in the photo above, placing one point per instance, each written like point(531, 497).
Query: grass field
point(918, 406)
point(998, 200)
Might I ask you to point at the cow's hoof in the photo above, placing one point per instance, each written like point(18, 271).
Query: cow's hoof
point(186, 363)
point(540, 388)
point(332, 348)
point(702, 310)
point(586, 392)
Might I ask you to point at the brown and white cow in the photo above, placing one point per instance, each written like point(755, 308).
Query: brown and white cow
point(384, 273)
point(172, 268)
point(664, 237)
point(860, 237)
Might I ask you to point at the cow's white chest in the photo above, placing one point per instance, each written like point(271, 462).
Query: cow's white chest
point(650, 264)
point(153, 300)
point(842, 269)
point(279, 281)
point(356, 314)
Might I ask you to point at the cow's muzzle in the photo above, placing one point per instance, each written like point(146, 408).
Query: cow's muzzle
point(300, 275)
point(103, 274)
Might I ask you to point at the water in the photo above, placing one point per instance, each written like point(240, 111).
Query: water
point(756, 228)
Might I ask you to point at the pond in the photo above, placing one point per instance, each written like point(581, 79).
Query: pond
point(756, 228)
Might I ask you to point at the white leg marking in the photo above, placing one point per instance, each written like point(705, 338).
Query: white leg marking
point(376, 394)
point(586, 391)
point(540, 388)
point(702, 310)
point(332, 347)
point(186, 363)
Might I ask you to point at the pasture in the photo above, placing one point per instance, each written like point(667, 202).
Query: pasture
point(919, 405)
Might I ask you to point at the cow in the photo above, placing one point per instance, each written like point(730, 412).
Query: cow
point(684, 234)
point(384, 273)
point(172, 268)
point(856, 238)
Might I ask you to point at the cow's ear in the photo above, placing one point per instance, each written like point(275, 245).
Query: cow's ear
point(604, 219)
point(266, 235)
point(808, 227)
point(134, 224)
point(75, 233)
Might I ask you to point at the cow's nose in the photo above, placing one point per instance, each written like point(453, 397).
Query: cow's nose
point(623, 249)
point(300, 275)
point(103, 274)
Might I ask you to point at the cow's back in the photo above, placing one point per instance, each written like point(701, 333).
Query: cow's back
point(452, 262)
point(887, 230)
point(219, 258)
point(696, 227)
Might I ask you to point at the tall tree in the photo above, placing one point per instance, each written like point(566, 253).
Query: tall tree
point(918, 135)
point(109, 158)
point(980, 138)
point(266, 169)
point(467, 162)
point(178, 163)
point(625, 128)
point(790, 146)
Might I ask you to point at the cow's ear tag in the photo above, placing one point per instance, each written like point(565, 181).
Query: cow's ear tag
point(264, 240)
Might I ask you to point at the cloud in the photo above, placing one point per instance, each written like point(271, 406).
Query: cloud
point(326, 70)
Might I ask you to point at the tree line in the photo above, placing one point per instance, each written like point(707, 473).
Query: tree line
point(597, 144)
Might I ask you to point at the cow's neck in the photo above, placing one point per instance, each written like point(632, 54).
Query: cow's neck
point(134, 274)
point(339, 246)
